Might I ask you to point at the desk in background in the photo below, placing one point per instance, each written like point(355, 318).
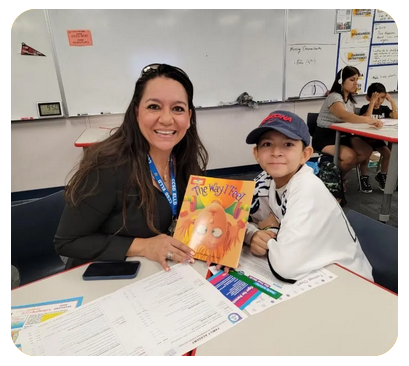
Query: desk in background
point(348, 316)
point(388, 133)
point(91, 136)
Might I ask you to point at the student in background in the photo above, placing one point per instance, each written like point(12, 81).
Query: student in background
point(294, 219)
point(124, 198)
point(338, 107)
point(376, 95)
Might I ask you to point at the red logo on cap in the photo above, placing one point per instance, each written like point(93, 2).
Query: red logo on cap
point(278, 116)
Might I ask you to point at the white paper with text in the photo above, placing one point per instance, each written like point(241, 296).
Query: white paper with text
point(168, 313)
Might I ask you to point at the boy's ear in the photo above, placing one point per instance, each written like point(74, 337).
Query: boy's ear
point(306, 154)
point(255, 153)
point(367, 98)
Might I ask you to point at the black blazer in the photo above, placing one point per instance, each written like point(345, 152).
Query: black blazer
point(93, 231)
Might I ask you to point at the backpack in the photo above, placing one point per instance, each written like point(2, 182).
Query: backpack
point(330, 175)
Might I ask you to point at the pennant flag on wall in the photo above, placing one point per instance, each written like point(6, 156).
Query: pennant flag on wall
point(27, 50)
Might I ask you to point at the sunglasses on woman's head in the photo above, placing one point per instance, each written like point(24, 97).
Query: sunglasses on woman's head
point(154, 68)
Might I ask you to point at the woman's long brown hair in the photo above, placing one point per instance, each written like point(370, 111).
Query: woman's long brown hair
point(128, 147)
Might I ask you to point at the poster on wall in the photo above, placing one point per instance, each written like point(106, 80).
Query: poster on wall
point(372, 47)
point(79, 37)
point(361, 30)
point(343, 20)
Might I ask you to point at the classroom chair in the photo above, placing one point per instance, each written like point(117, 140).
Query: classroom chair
point(379, 242)
point(33, 226)
point(312, 126)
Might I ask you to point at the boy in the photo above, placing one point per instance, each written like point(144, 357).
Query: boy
point(296, 221)
point(376, 95)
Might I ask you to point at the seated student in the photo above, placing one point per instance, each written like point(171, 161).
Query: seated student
point(339, 107)
point(376, 95)
point(294, 219)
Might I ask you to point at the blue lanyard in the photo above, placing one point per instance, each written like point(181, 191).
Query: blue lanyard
point(173, 200)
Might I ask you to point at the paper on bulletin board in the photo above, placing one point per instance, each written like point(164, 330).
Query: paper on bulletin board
point(79, 37)
point(343, 20)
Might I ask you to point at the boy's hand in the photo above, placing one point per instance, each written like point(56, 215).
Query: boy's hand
point(388, 98)
point(218, 266)
point(374, 97)
point(258, 244)
point(271, 220)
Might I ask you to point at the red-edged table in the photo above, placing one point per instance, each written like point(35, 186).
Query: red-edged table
point(92, 135)
point(386, 133)
point(347, 316)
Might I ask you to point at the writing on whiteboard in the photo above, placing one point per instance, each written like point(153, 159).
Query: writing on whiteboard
point(383, 55)
point(305, 48)
point(387, 75)
point(305, 54)
point(385, 33)
point(383, 76)
point(307, 62)
point(382, 16)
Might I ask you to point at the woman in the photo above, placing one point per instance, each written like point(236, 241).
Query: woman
point(126, 195)
point(339, 107)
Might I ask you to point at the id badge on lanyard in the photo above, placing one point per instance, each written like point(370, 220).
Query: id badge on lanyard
point(172, 199)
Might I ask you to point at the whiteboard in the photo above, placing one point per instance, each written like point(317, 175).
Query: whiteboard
point(224, 52)
point(33, 78)
point(315, 52)
point(311, 53)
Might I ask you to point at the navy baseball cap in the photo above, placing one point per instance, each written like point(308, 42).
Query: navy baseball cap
point(287, 123)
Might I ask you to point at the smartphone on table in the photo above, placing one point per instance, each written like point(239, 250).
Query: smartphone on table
point(111, 270)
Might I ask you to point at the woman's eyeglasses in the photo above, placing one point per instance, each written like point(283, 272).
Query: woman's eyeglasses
point(154, 68)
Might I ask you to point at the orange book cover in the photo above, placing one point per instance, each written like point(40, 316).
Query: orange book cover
point(213, 218)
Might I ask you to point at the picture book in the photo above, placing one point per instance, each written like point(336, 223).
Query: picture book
point(213, 218)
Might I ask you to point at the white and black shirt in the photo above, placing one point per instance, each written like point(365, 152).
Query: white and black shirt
point(314, 231)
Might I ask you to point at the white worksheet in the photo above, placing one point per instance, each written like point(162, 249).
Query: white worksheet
point(389, 121)
point(168, 313)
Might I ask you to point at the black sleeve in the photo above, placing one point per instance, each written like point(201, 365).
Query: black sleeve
point(77, 234)
point(364, 108)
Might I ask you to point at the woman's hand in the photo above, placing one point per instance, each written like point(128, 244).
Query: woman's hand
point(258, 244)
point(160, 248)
point(372, 121)
point(375, 122)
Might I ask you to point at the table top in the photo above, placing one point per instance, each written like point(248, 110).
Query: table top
point(387, 133)
point(91, 136)
point(348, 316)
point(69, 284)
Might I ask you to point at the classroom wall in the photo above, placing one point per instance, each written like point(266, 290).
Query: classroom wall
point(43, 152)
